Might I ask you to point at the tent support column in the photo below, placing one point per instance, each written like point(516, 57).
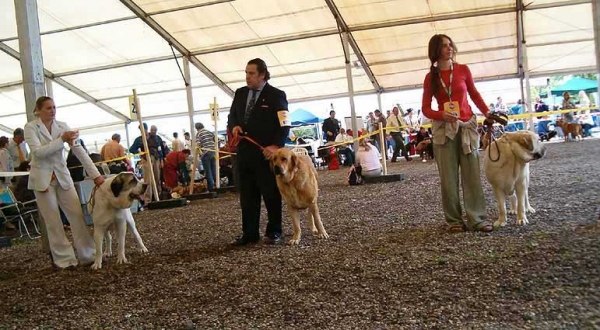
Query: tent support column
point(346, 46)
point(522, 44)
point(190, 104)
point(596, 19)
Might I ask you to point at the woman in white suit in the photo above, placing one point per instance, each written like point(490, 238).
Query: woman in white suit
point(49, 178)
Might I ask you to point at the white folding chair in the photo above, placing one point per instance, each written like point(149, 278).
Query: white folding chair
point(300, 151)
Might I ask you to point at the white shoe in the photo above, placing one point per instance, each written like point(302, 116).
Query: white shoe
point(424, 160)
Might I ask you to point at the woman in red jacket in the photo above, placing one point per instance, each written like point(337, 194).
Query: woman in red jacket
point(455, 137)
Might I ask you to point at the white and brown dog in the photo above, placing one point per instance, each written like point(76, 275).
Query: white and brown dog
point(110, 209)
point(297, 182)
point(506, 165)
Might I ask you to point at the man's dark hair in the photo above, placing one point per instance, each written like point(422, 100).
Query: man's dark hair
point(175, 135)
point(261, 66)
point(145, 127)
point(331, 112)
point(186, 134)
point(18, 132)
point(115, 137)
point(199, 126)
point(187, 151)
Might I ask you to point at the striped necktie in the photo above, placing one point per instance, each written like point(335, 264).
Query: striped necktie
point(250, 106)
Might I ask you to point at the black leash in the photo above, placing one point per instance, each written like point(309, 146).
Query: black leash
point(492, 118)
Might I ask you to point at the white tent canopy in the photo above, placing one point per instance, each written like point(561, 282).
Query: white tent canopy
point(105, 48)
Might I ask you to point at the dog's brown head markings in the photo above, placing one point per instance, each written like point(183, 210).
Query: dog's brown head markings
point(530, 146)
point(126, 181)
point(283, 163)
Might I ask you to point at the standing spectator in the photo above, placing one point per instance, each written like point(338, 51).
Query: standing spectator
point(394, 132)
point(18, 148)
point(187, 141)
point(113, 150)
point(331, 127)
point(6, 162)
point(177, 145)
point(156, 156)
point(500, 106)
point(205, 140)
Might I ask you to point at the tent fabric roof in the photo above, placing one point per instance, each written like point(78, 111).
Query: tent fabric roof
point(574, 85)
point(104, 48)
point(303, 117)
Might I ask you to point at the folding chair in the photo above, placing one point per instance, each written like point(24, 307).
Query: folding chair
point(12, 209)
point(300, 151)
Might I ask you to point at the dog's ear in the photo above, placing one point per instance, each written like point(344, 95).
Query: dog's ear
point(293, 161)
point(116, 186)
point(525, 140)
point(272, 162)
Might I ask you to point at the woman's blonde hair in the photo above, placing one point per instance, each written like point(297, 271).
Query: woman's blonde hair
point(364, 143)
point(39, 103)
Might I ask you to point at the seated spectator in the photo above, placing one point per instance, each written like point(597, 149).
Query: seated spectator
point(587, 122)
point(367, 157)
point(423, 136)
point(345, 149)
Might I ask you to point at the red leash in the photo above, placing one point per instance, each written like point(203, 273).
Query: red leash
point(235, 141)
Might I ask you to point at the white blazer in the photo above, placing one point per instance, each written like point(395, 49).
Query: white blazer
point(47, 156)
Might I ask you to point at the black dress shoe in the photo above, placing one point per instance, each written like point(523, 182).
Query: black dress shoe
point(272, 239)
point(243, 241)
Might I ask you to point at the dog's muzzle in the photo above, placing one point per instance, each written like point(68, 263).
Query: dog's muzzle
point(539, 154)
point(277, 170)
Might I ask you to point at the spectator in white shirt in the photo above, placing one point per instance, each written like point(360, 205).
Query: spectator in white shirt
point(367, 157)
point(345, 149)
point(18, 148)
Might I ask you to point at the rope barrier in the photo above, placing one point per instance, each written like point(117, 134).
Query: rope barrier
point(112, 160)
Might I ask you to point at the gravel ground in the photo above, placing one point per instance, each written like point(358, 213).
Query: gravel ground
point(387, 264)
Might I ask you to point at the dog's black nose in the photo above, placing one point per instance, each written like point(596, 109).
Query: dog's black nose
point(277, 170)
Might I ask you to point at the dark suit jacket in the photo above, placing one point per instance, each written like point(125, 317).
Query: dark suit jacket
point(264, 124)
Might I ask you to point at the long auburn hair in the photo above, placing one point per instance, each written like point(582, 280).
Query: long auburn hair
point(434, 51)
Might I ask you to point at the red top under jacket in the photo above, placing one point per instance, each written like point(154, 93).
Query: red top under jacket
point(462, 82)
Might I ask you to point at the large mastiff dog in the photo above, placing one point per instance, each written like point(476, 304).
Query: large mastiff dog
point(110, 209)
point(506, 164)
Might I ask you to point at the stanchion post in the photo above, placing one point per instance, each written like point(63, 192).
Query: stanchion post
point(190, 104)
point(382, 144)
point(215, 115)
point(153, 182)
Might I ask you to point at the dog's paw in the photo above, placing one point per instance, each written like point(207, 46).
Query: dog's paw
point(315, 232)
point(107, 254)
point(530, 210)
point(512, 211)
point(96, 265)
point(294, 241)
point(323, 235)
point(500, 223)
point(122, 260)
point(522, 222)
point(143, 250)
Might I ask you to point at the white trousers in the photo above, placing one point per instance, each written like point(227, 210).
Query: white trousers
point(62, 251)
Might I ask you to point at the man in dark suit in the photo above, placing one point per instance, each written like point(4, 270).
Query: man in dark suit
point(331, 127)
point(260, 112)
